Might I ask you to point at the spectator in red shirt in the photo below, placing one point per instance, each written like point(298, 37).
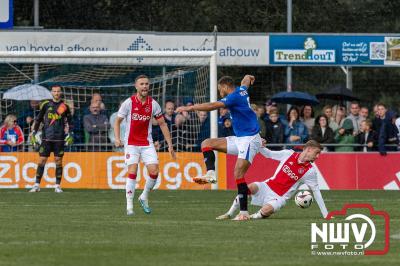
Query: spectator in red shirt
point(11, 134)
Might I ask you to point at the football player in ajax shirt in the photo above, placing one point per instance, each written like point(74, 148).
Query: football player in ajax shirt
point(294, 169)
point(138, 110)
point(245, 144)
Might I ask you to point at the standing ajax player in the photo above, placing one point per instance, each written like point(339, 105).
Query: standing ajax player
point(245, 144)
point(294, 169)
point(56, 118)
point(138, 110)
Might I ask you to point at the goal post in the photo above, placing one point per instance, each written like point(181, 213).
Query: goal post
point(98, 70)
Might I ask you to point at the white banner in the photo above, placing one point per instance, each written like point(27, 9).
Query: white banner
point(235, 50)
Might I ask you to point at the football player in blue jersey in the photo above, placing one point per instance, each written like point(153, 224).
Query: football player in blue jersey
point(246, 142)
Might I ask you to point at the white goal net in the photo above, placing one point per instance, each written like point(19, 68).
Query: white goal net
point(177, 78)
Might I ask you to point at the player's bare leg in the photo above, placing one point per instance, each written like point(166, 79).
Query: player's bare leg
point(207, 147)
point(59, 171)
point(130, 188)
point(39, 174)
point(241, 167)
point(263, 213)
point(153, 171)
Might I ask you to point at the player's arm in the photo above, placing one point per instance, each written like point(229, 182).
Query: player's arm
point(275, 155)
point(117, 131)
point(247, 81)
point(40, 116)
point(121, 115)
point(167, 135)
point(68, 120)
point(312, 183)
point(201, 107)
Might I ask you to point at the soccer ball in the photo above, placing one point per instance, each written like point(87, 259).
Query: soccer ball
point(303, 199)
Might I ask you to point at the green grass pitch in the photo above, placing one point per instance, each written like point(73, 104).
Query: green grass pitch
point(89, 227)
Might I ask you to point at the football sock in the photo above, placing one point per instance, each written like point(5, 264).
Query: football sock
point(150, 183)
point(59, 171)
point(242, 193)
point(209, 158)
point(130, 190)
point(234, 207)
point(39, 173)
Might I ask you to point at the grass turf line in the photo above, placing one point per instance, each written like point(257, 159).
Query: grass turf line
point(89, 227)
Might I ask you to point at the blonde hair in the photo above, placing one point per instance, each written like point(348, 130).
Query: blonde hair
point(9, 120)
point(313, 144)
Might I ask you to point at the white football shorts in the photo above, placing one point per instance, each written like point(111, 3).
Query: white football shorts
point(244, 147)
point(265, 195)
point(147, 154)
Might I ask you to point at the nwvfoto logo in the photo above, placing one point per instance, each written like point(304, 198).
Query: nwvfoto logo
point(354, 235)
point(140, 44)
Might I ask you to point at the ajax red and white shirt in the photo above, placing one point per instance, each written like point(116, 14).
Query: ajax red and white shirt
point(290, 174)
point(138, 117)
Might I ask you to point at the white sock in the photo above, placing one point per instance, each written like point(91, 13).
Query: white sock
point(234, 207)
point(130, 192)
point(150, 183)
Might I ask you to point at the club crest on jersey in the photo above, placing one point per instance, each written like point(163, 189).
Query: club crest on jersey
point(301, 170)
point(147, 109)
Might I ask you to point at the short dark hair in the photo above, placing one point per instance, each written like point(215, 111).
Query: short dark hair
point(226, 80)
point(313, 144)
point(141, 77)
point(55, 86)
point(169, 101)
point(381, 104)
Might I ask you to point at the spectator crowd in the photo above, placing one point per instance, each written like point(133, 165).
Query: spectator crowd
point(334, 127)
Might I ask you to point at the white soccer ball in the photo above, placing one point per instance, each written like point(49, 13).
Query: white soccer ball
point(303, 199)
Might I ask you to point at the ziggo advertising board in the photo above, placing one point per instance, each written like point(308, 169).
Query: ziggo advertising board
point(336, 171)
point(103, 170)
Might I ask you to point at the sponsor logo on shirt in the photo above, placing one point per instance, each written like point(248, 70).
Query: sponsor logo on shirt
point(139, 117)
point(289, 172)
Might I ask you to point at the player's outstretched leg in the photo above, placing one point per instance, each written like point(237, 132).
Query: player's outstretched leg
point(150, 183)
point(231, 212)
point(207, 147)
point(130, 192)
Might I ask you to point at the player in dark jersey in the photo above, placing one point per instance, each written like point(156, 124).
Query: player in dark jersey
point(56, 118)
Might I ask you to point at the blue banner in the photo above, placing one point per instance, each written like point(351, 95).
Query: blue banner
point(6, 14)
point(327, 50)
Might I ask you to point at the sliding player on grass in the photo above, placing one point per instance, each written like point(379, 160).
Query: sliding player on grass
point(138, 110)
point(245, 144)
point(294, 169)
